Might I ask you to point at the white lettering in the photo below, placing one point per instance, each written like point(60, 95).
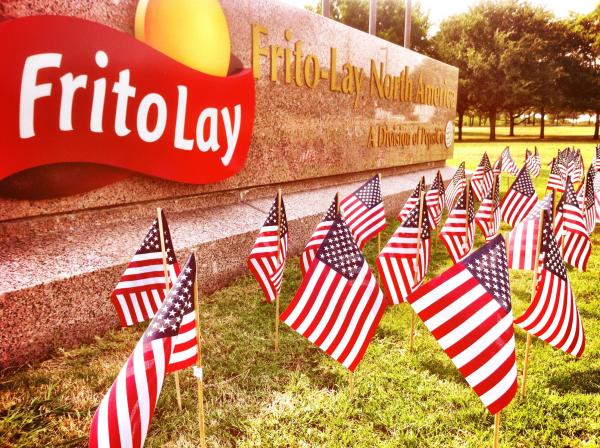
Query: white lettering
point(152, 99)
point(180, 141)
point(232, 132)
point(212, 114)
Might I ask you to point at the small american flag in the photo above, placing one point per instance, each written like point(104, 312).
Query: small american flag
point(458, 232)
point(456, 186)
point(533, 162)
point(397, 262)
point(125, 413)
point(310, 251)
point(268, 255)
point(576, 167)
point(556, 179)
point(508, 164)
point(141, 289)
point(435, 199)
point(488, 215)
point(363, 211)
point(519, 199)
point(553, 315)
point(597, 197)
point(589, 203)
point(570, 229)
point(339, 304)
point(482, 179)
point(523, 239)
point(497, 168)
point(597, 159)
point(412, 200)
point(468, 311)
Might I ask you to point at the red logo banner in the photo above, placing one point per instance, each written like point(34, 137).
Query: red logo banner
point(75, 91)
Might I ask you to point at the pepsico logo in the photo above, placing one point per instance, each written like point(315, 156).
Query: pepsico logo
point(85, 105)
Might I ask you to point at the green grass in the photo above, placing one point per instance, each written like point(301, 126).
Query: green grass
point(299, 397)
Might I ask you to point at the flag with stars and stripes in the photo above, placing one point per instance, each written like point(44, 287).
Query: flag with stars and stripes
point(403, 262)
point(497, 168)
point(269, 253)
point(339, 304)
point(468, 310)
point(125, 413)
point(363, 211)
point(141, 289)
point(310, 251)
point(597, 159)
point(556, 179)
point(456, 186)
point(458, 233)
point(588, 202)
point(523, 239)
point(597, 197)
point(552, 315)
point(533, 162)
point(519, 200)
point(488, 215)
point(435, 199)
point(412, 200)
point(508, 164)
point(570, 229)
point(483, 178)
point(576, 167)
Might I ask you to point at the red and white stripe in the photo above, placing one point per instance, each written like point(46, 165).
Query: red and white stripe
point(517, 203)
point(508, 164)
point(483, 178)
point(338, 315)
point(457, 235)
point(487, 217)
point(456, 186)
point(533, 164)
point(310, 251)
point(141, 289)
point(474, 331)
point(412, 200)
point(434, 198)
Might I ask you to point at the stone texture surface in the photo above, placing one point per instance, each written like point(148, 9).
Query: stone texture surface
point(55, 288)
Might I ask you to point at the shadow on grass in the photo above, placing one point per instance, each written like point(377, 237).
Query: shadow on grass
point(586, 382)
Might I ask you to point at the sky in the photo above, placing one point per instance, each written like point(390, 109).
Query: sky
point(439, 9)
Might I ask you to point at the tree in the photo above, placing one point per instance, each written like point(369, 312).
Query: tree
point(390, 20)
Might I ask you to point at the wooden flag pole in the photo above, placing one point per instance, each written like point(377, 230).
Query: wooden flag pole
point(198, 373)
point(167, 288)
point(278, 258)
point(416, 268)
point(496, 429)
point(534, 281)
point(337, 203)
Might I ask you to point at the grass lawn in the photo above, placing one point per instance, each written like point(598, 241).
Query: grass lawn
point(299, 397)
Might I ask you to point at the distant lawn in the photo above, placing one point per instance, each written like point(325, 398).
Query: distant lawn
point(562, 133)
point(299, 397)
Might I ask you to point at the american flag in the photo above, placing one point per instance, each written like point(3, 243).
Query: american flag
point(458, 232)
point(488, 215)
point(597, 197)
point(589, 204)
point(456, 186)
point(268, 255)
point(571, 231)
point(125, 413)
point(523, 239)
point(597, 159)
point(576, 167)
point(508, 164)
point(412, 200)
point(533, 162)
point(141, 289)
point(553, 315)
point(339, 304)
point(497, 168)
point(397, 262)
point(564, 162)
point(556, 179)
point(435, 199)
point(468, 310)
point(310, 251)
point(363, 211)
point(519, 200)
point(483, 178)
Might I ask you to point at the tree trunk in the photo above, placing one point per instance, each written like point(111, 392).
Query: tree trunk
point(512, 125)
point(479, 120)
point(492, 125)
point(461, 117)
point(533, 119)
point(471, 118)
point(542, 122)
point(597, 126)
